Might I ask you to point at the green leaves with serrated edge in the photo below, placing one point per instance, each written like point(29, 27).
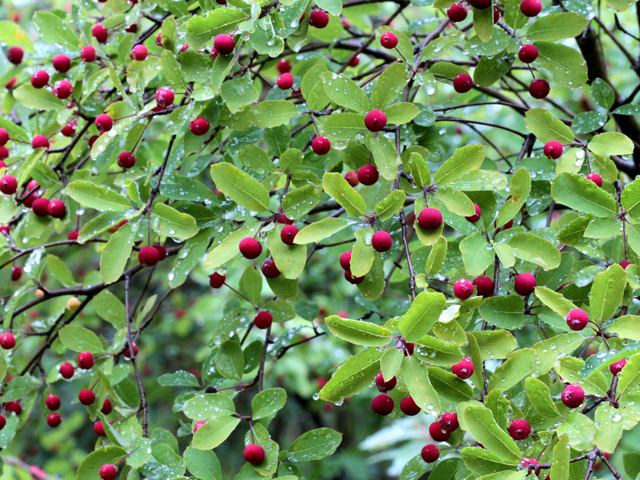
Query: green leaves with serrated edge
point(518, 365)
point(540, 398)
point(463, 160)
point(563, 64)
point(547, 127)
point(353, 376)
point(339, 189)
point(271, 113)
point(314, 445)
point(389, 85)
point(481, 424)
point(416, 376)
point(95, 196)
point(203, 407)
point(519, 189)
point(421, 316)
point(358, 332)
point(240, 187)
point(345, 92)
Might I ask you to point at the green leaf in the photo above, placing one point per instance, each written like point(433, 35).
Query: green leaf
point(238, 92)
point(116, 254)
point(483, 427)
point(271, 113)
point(290, 259)
point(631, 463)
point(167, 221)
point(299, 201)
point(18, 388)
point(386, 157)
point(611, 143)
point(583, 195)
point(94, 196)
point(540, 398)
point(389, 85)
point(534, 249)
point(172, 71)
point(110, 308)
point(60, 271)
point(54, 30)
point(422, 315)
point(203, 464)
point(203, 29)
point(353, 376)
point(230, 360)
point(268, 402)
point(390, 205)
point(90, 467)
point(456, 201)
point(436, 258)
point(164, 463)
point(437, 352)
point(339, 189)
point(607, 292)
point(240, 187)
point(255, 158)
point(518, 365)
point(546, 127)
point(374, 282)
point(320, 230)
point(483, 462)
point(345, 92)
point(214, 432)
point(483, 23)
point(463, 160)
point(494, 344)
point(390, 362)
point(548, 351)
point(401, 113)
point(477, 254)
point(560, 468)
point(344, 126)
point(314, 445)
point(416, 376)
point(37, 98)
point(519, 189)
point(363, 254)
point(557, 26)
point(313, 87)
point(608, 428)
point(580, 431)
point(563, 64)
point(358, 332)
point(178, 379)
point(190, 255)
point(210, 405)
point(629, 377)
point(602, 93)
point(505, 312)
point(555, 301)
point(492, 69)
point(419, 170)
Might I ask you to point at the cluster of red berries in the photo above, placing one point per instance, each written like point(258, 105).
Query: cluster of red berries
point(150, 255)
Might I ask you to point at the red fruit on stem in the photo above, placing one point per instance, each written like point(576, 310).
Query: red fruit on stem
point(463, 289)
point(161, 251)
point(39, 141)
point(15, 55)
point(216, 280)
point(352, 178)
point(73, 235)
point(572, 396)
point(4, 137)
point(577, 319)
point(382, 404)
point(85, 360)
point(519, 429)
point(457, 12)
point(625, 264)
point(40, 206)
point(616, 368)
point(437, 433)
point(148, 256)
point(16, 273)
point(67, 370)
point(345, 261)
point(385, 386)
point(128, 353)
point(368, 175)
point(595, 178)
point(269, 269)
point(8, 184)
point(375, 121)
point(54, 420)
point(61, 63)
point(389, 40)
point(539, 88)
point(100, 33)
point(199, 424)
point(52, 402)
point(106, 407)
point(69, 130)
point(463, 83)
point(530, 8)
point(319, 19)
point(408, 406)
point(139, 53)
point(13, 407)
point(353, 280)
point(480, 4)
point(11, 83)
point(553, 149)
point(253, 454)
point(39, 79)
point(164, 97)
point(108, 472)
point(484, 286)
point(449, 421)
point(3, 422)
point(199, 126)
point(496, 15)
point(525, 284)
point(7, 341)
point(528, 53)
point(263, 320)
point(159, 39)
point(57, 209)
point(430, 453)
point(4, 153)
point(283, 66)
point(98, 429)
point(86, 397)
point(476, 216)
point(430, 218)
point(288, 234)
point(355, 62)
point(321, 146)
point(250, 248)
point(126, 160)
point(224, 44)
point(88, 54)
point(381, 241)
point(104, 122)
point(463, 369)
point(285, 81)
point(62, 89)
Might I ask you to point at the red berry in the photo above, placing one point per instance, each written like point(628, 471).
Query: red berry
point(463, 83)
point(224, 44)
point(54, 420)
point(321, 145)
point(16, 273)
point(263, 320)
point(128, 353)
point(463, 369)
point(519, 429)
point(382, 404)
point(73, 235)
point(408, 406)
point(161, 251)
point(525, 284)
point(530, 8)
point(484, 286)
point(139, 53)
point(4, 153)
point(62, 89)
point(285, 81)
point(319, 19)
point(39, 79)
point(577, 319)
point(253, 454)
point(449, 421)
point(11, 83)
point(98, 429)
point(159, 39)
point(216, 280)
point(7, 341)
point(67, 370)
point(106, 406)
point(126, 160)
point(352, 178)
point(457, 12)
point(437, 433)
point(381, 241)
point(148, 256)
point(108, 472)
point(368, 175)
point(104, 122)
point(86, 396)
point(52, 402)
point(61, 63)
point(355, 62)
point(15, 55)
point(345, 260)
point(133, 28)
point(57, 209)
point(199, 126)
point(69, 130)
point(375, 121)
point(572, 396)
point(463, 289)
point(284, 66)
point(385, 386)
point(283, 219)
point(13, 407)
point(88, 53)
point(595, 178)
point(8, 184)
point(85, 360)
point(3, 422)
point(40, 206)
point(553, 149)
point(288, 234)
point(430, 453)
point(269, 269)
point(430, 219)
point(250, 248)
point(197, 426)
point(5, 230)
point(39, 141)
point(528, 53)
point(164, 97)
point(353, 280)
point(389, 40)
point(616, 368)
point(496, 15)
point(480, 4)
point(100, 33)
point(475, 217)
point(345, 23)
point(4, 138)
point(539, 88)
point(625, 264)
